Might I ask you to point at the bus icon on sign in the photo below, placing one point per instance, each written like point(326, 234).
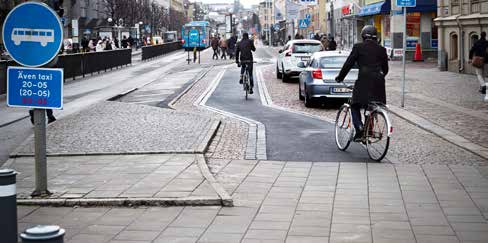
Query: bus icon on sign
point(42, 36)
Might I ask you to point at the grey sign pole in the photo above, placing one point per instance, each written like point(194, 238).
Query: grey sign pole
point(40, 153)
point(404, 53)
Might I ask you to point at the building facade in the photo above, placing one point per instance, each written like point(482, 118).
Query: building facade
point(460, 23)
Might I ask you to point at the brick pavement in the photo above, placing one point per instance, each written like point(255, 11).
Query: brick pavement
point(278, 201)
point(168, 179)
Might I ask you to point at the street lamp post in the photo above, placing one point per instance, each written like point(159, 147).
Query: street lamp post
point(118, 25)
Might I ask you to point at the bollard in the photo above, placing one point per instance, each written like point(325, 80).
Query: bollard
point(8, 206)
point(43, 234)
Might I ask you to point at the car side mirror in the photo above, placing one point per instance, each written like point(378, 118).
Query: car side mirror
point(280, 51)
point(301, 64)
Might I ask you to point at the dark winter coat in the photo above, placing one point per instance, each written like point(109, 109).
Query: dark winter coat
point(215, 43)
point(372, 61)
point(244, 50)
point(479, 49)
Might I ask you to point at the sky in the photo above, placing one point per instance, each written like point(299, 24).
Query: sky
point(246, 3)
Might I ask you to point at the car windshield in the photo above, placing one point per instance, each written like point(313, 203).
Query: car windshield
point(333, 62)
point(306, 47)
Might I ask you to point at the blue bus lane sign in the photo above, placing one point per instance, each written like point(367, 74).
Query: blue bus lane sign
point(40, 88)
point(32, 34)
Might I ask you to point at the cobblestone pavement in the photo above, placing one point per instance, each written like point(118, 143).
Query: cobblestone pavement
point(280, 201)
point(409, 143)
point(114, 127)
point(116, 176)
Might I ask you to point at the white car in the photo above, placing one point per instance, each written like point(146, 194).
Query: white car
point(293, 52)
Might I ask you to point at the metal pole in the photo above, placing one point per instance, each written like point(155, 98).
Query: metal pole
point(40, 153)
point(404, 54)
point(8, 206)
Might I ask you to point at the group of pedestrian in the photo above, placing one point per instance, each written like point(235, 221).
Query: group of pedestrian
point(223, 47)
point(478, 56)
point(328, 42)
point(105, 44)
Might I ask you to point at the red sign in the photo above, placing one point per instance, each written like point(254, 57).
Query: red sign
point(347, 10)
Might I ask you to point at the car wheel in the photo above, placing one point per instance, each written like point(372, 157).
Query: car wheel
point(283, 75)
point(300, 96)
point(278, 74)
point(309, 102)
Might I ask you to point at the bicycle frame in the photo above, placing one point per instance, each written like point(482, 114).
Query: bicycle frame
point(380, 108)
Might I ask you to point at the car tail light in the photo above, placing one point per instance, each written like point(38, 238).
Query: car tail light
point(203, 41)
point(317, 74)
point(182, 41)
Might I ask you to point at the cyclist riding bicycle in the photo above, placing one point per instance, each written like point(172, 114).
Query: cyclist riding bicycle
point(373, 67)
point(244, 54)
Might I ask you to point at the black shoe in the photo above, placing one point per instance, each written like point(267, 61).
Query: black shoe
point(51, 119)
point(250, 91)
point(358, 137)
point(240, 81)
point(483, 89)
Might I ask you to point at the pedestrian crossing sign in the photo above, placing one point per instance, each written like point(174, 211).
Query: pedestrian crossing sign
point(303, 24)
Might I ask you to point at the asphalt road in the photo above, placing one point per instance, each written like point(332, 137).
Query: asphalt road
point(290, 136)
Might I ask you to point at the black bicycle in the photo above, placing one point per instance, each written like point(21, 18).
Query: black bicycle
point(246, 82)
point(377, 132)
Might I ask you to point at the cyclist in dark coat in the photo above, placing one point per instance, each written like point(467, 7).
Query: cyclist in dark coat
point(372, 60)
point(244, 51)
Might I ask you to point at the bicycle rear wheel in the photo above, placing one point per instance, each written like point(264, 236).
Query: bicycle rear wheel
point(343, 128)
point(377, 139)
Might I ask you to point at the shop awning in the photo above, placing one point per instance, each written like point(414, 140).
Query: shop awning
point(375, 8)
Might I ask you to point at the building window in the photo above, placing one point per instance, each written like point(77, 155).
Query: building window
point(454, 46)
point(454, 2)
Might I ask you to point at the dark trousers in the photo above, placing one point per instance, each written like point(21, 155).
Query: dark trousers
point(244, 67)
point(356, 115)
point(224, 50)
point(49, 112)
point(215, 54)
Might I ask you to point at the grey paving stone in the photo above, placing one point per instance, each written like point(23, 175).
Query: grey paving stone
point(467, 219)
point(436, 239)
point(302, 239)
point(220, 238)
point(274, 217)
point(194, 218)
point(433, 230)
point(175, 239)
point(270, 225)
point(348, 228)
point(353, 237)
point(376, 217)
point(315, 231)
point(189, 232)
point(391, 225)
point(351, 220)
point(472, 236)
point(266, 234)
point(102, 230)
point(137, 235)
point(393, 234)
point(83, 238)
point(477, 227)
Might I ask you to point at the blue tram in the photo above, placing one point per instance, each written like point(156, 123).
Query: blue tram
point(196, 34)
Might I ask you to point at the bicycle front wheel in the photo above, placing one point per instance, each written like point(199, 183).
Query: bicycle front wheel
point(377, 139)
point(343, 128)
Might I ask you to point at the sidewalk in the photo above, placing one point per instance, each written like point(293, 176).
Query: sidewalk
point(279, 201)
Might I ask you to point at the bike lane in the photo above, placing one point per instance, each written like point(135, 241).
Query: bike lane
point(289, 136)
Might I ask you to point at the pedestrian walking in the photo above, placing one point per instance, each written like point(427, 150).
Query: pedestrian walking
point(478, 57)
point(100, 46)
point(332, 44)
point(325, 42)
point(108, 45)
point(92, 46)
point(49, 113)
point(84, 44)
point(223, 47)
point(316, 36)
point(297, 36)
point(215, 47)
point(125, 42)
point(231, 46)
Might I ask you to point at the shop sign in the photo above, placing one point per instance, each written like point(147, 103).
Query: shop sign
point(434, 43)
point(347, 10)
point(398, 52)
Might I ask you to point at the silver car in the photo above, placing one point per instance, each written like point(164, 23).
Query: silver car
point(317, 80)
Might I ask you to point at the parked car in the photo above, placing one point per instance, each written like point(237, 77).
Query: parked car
point(293, 52)
point(318, 77)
